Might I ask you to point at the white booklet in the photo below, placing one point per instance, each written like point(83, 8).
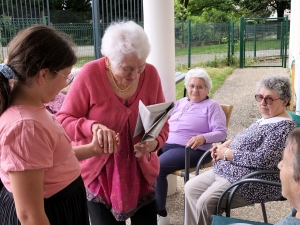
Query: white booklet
point(151, 119)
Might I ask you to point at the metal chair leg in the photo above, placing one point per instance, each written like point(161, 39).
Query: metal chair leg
point(263, 209)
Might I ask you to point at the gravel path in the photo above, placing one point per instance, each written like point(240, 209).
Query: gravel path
point(238, 90)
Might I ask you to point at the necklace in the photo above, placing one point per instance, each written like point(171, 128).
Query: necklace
point(117, 87)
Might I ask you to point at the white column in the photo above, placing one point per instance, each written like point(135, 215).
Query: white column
point(159, 26)
point(294, 48)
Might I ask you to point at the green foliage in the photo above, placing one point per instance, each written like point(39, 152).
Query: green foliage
point(7, 30)
point(262, 8)
point(214, 16)
point(71, 5)
point(181, 13)
point(63, 16)
point(197, 7)
point(200, 33)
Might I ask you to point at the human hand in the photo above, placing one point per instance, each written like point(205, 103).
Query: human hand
point(196, 141)
point(97, 149)
point(144, 148)
point(107, 138)
point(217, 152)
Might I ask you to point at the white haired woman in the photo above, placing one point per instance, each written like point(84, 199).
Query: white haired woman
point(105, 94)
point(197, 122)
point(259, 147)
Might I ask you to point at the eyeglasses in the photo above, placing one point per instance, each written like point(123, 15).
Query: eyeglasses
point(69, 77)
point(197, 87)
point(268, 100)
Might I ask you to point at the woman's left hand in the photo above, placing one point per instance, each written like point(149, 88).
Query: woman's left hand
point(196, 141)
point(144, 148)
point(217, 152)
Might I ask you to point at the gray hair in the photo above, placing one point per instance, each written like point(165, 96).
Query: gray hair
point(280, 84)
point(124, 38)
point(293, 140)
point(198, 73)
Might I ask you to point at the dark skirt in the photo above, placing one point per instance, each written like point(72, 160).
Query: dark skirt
point(67, 207)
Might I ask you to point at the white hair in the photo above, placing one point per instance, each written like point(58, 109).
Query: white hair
point(198, 73)
point(75, 71)
point(124, 38)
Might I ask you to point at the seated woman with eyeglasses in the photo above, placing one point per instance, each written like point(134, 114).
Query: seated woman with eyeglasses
point(197, 122)
point(259, 147)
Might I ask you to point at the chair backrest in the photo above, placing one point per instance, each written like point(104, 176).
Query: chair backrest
point(201, 165)
point(295, 117)
point(227, 110)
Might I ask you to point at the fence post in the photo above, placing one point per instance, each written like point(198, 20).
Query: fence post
point(48, 12)
point(232, 39)
point(96, 20)
point(282, 30)
point(255, 40)
point(189, 44)
point(229, 43)
point(242, 29)
point(286, 23)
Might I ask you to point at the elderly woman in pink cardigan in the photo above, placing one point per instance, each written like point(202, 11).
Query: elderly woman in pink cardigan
point(106, 94)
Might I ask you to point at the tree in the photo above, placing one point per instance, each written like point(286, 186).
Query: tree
point(186, 8)
point(185, 3)
point(237, 8)
point(72, 5)
point(262, 8)
point(197, 7)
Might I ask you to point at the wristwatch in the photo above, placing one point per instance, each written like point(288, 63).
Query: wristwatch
point(224, 156)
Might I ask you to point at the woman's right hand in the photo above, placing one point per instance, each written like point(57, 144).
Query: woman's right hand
point(107, 138)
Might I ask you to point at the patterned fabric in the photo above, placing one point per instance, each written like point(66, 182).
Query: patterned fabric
point(54, 107)
point(7, 72)
point(259, 147)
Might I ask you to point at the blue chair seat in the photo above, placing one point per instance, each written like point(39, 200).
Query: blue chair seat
point(222, 220)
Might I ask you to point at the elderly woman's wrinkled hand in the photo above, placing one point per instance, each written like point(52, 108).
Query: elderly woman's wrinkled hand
point(196, 141)
point(107, 138)
point(217, 152)
point(144, 148)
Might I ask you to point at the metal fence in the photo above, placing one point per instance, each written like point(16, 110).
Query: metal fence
point(195, 42)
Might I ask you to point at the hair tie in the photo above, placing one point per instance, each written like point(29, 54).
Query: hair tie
point(7, 72)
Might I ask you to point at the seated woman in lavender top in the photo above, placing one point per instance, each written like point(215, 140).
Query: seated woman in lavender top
point(197, 122)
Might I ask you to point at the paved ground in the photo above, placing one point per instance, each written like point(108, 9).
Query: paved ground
point(238, 90)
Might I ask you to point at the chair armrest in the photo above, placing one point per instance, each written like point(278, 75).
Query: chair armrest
point(187, 164)
point(235, 186)
point(250, 175)
point(201, 161)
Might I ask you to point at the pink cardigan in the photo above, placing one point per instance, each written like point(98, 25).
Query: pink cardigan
point(90, 100)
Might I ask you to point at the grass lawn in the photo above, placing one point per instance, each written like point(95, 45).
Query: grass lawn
point(217, 75)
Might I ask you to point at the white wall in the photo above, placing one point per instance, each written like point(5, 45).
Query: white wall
point(294, 48)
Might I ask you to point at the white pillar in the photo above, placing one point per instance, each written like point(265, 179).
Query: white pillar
point(294, 48)
point(159, 26)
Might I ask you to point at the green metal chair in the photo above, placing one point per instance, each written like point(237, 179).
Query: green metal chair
point(221, 220)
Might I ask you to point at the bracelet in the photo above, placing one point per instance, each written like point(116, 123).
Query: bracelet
point(224, 156)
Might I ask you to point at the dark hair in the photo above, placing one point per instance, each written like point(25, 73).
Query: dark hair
point(293, 140)
point(32, 49)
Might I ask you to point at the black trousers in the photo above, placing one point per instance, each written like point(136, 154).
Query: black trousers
point(100, 215)
point(67, 207)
